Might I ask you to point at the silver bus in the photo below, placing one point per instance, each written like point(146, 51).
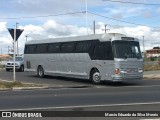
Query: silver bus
point(101, 57)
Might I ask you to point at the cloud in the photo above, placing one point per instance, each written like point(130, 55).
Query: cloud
point(54, 29)
point(4, 34)
point(49, 29)
point(158, 11)
point(147, 14)
point(151, 36)
point(124, 11)
point(2, 26)
point(39, 7)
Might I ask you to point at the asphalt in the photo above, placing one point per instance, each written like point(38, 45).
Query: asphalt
point(147, 75)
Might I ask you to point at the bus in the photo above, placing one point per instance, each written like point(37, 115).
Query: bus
point(98, 57)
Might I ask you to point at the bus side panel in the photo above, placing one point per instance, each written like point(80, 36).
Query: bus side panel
point(106, 68)
point(30, 62)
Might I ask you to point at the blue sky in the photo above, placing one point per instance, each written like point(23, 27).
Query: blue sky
point(145, 17)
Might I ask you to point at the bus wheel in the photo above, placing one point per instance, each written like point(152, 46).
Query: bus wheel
point(21, 68)
point(95, 77)
point(7, 69)
point(40, 72)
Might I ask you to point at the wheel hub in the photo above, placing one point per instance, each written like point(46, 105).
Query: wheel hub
point(96, 77)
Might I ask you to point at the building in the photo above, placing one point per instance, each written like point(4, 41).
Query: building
point(155, 52)
point(4, 56)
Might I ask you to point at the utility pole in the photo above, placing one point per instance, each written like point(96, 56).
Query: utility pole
point(17, 40)
point(15, 33)
point(8, 50)
point(86, 3)
point(105, 29)
point(94, 27)
point(14, 53)
point(143, 48)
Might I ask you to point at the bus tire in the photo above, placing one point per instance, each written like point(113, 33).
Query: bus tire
point(40, 72)
point(7, 69)
point(21, 68)
point(95, 76)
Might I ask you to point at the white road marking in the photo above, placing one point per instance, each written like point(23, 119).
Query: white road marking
point(84, 106)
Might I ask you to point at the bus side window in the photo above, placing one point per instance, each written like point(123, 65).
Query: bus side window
point(86, 46)
point(108, 52)
point(79, 47)
point(67, 47)
point(30, 49)
point(70, 47)
point(26, 49)
point(83, 47)
point(54, 48)
point(98, 52)
point(41, 48)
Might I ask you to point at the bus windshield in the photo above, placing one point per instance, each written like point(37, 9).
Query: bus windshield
point(126, 49)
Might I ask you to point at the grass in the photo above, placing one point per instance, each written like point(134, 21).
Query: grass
point(1, 66)
point(16, 84)
point(151, 67)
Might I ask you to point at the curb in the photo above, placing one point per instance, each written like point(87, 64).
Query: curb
point(27, 88)
point(151, 77)
point(44, 86)
point(48, 87)
point(5, 89)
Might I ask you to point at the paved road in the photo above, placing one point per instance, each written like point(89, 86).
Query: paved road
point(29, 78)
point(65, 82)
point(107, 97)
point(83, 99)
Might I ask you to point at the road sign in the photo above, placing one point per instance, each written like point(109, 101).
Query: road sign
point(15, 33)
point(18, 33)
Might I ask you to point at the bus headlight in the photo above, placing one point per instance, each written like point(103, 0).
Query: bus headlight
point(123, 70)
point(140, 70)
point(117, 71)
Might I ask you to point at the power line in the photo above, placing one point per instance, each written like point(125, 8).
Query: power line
point(82, 12)
point(71, 13)
point(132, 2)
point(120, 20)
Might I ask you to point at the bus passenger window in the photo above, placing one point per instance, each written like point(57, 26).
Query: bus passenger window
point(98, 52)
point(79, 47)
point(54, 48)
point(41, 48)
point(67, 47)
point(108, 52)
point(30, 49)
point(86, 46)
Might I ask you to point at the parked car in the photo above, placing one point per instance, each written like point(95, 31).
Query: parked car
point(19, 64)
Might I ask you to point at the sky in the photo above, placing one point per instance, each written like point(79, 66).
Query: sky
point(41, 19)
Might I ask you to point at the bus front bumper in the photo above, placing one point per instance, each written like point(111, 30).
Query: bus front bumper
point(124, 77)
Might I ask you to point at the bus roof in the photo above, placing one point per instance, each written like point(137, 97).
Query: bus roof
point(101, 37)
